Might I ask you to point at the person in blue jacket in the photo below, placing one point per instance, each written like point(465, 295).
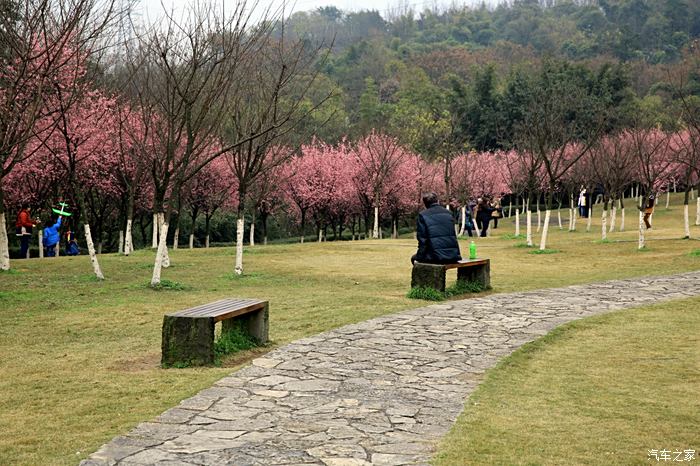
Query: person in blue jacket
point(51, 238)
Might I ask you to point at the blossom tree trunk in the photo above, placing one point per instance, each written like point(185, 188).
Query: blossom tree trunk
point(641, 242)
point(589, 220)
point(517, 222)
point(128, 240)
point(161, 254)
point(375, 231)
point(240, 228)
point(529, 225)
point(604, 221)
point(156, 222)
point(545, 229)
point(463, 223)
point(572, 213)
point(622, 213)
point(4, 243)
point(120, 248)
point(41, 243)
point(166, 257)
point(547, 216)
point(91, 251)
point(251, 239)
point(686, 214)
point(697, 208)
point(613, 215)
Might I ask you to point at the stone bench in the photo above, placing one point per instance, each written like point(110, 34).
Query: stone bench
point(188, 335)
point(433, 275)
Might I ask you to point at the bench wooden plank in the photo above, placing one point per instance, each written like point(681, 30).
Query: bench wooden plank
point(221, 308)
point(465, 263)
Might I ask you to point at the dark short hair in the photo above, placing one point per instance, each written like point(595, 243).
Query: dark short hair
point(430, 199)
point(25, 205)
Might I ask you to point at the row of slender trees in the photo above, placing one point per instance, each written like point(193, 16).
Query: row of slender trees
point(196, 114)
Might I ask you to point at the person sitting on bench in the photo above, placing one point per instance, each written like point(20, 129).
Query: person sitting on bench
point(437, 241)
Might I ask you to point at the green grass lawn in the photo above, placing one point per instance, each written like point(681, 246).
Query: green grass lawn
point(80, 358)
point(603, 390)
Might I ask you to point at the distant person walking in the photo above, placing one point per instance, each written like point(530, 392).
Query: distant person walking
point(24, 226)
point(496, 213)
point(483, 213)
point(435, 230)
point(582, 203)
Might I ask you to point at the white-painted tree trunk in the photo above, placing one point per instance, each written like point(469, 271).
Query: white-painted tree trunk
point(191, 240)
point(604, 224)
point(4, 244)
point(240, 226)
point(320, 235)
point(93, 255)
point(697, 211)
point(545, 230)
point(641, 243)
point(128, 240)
point(251, 237)
point(463, 223)
point(41, 243)
point(394, 231)
point(686, 221)
point(154, 241)
point(121, 242)
point(668, 198)
point(589, 220)
point(572, 217)
point(622, 219)
point(613, 217)
point(176, 237)
point(539, 218)
point(559, 219)
point(517, 222)
point(510, 207)
point(166, 256)
point(375, 231)
point(160, 255)
point(528, 231)
point(206, 242)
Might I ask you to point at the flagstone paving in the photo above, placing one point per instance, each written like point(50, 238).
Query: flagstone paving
point(379, 392)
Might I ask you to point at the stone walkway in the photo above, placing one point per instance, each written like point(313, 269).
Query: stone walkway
point(378, 392)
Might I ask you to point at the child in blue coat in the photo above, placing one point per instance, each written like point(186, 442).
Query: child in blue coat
point(51, 238)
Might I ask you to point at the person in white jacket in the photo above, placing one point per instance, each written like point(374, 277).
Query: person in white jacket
point(582, 206)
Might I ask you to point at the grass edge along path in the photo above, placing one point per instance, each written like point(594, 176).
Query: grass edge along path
point(601, 390)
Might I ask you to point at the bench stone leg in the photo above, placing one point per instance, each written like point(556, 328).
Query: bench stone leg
point(428, 275)
point(477, 273)
point(187, 341)
point(256, 324)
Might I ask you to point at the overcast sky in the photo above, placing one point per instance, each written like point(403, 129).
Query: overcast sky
point(152, 9)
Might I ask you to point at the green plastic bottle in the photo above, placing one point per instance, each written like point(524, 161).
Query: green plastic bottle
point(472, 250)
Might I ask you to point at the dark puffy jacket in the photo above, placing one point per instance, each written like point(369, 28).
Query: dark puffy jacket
point(437, 241)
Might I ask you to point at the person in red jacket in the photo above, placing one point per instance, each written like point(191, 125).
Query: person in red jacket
point(24, 226)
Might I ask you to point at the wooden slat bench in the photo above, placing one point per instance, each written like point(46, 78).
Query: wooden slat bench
point(188, 335)
point(433, 275)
